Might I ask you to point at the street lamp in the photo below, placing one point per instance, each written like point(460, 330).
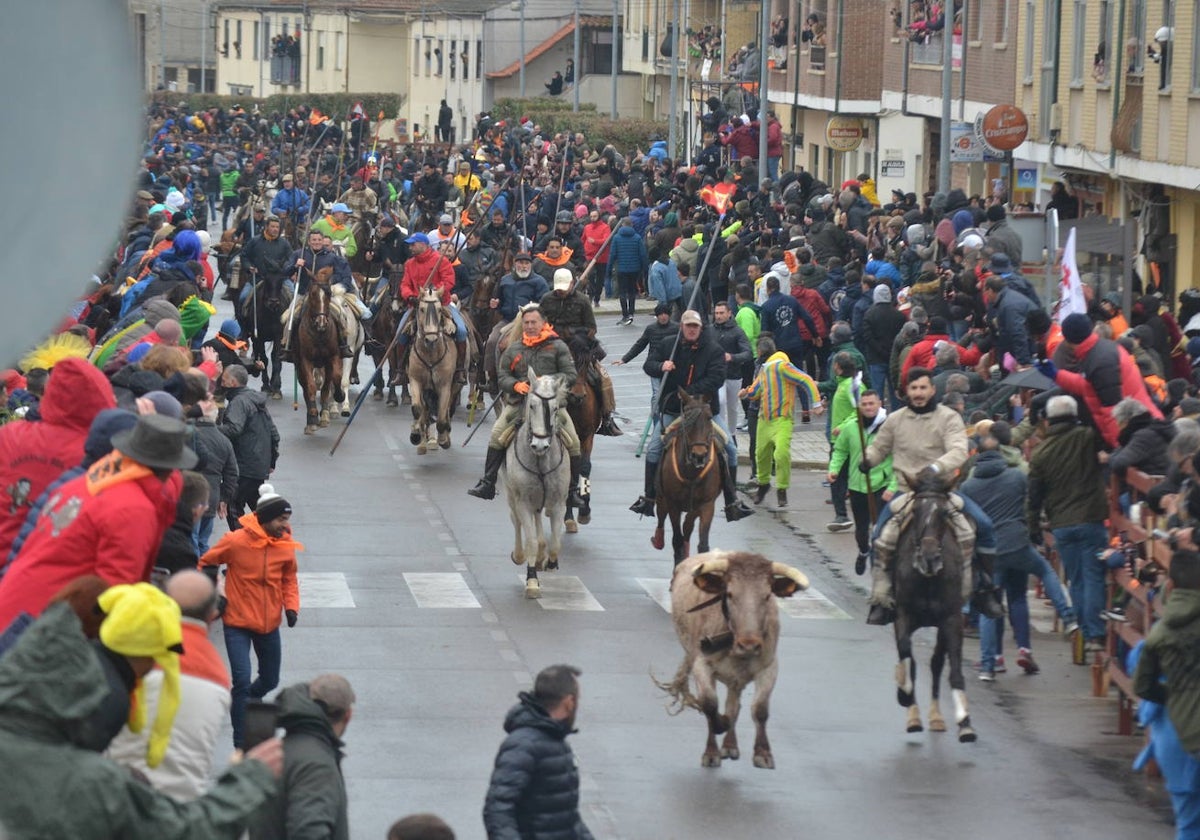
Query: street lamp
point(519, 5)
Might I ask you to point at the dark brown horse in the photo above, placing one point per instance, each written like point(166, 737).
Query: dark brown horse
point(929, 574)
point(583, 407)
point(689, 476)
point(381, 331)
point(318, 362)
point(262, 317)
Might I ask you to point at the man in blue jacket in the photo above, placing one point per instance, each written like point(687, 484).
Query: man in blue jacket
point(779, 315)
point(629, 260)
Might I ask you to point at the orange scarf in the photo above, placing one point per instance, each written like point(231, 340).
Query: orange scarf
point(562, 260)
point(333, 224)
point(546, 334)
point(114, 469)
point(235, 346)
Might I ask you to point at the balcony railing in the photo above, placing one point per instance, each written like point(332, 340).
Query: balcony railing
point(928, 50)
point(816, 58)
point(285, 70)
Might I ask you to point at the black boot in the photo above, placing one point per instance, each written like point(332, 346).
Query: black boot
point(486, 488)
point(735, 508)
point(985, 598)
point(344, 349)
point(573, 497)
point(645, 503)
point(460, 364)
point(760, 492)
point(609, 427)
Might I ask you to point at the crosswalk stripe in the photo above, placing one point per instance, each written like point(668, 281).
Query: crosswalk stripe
point(807, 604)
point(565, 592)
point(324, 589)
point(440, 590)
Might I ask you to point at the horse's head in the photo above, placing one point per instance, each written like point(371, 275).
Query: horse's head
point(429, 314)
point(931, 519)
point(541, 411)
point(319, 295)
point(272, 292)
point(697, 428)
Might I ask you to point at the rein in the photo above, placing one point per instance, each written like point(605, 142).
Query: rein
point(540, 473)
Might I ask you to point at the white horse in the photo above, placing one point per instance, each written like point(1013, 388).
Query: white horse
point(355, 338)
point(537, 471)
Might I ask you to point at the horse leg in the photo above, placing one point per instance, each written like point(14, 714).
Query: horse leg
point(936, 722)
point(276, 369)
point(958, 688)
point(656, 540)
point(416, 435)
point(354, 367)
point(689, 524)
point(326, 388)
point(718, 724)
point(906, 673)
point(760, 709)
point(308, 383)
point(585, 475)
point(706, 519)
point(443, 419)
point(733, 706)
point(533, 586)
point(678, 543)
point(336, 369)
point(518, 552)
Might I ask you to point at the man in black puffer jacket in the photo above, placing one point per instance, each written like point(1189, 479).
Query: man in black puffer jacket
point(534, 791)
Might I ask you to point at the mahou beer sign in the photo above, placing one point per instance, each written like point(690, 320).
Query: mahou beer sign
point(1003, 128)
point(844, 134)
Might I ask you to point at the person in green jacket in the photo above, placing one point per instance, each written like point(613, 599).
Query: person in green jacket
point(841, 340)
point(842, 369)
point(51, 685)
point(336, 228)
point(229, 194)
point(848, 441)
point(312, 796)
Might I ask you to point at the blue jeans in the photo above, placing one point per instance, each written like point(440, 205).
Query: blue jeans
point(1077, 546)
point(460, 327)
point(773, 168)
point(202, 533)
point(985, 533)
point(881, 381)
point(269, 652)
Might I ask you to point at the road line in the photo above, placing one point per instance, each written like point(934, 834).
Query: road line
point(565, 592)
point(659, 589)
point(811, 604)
point(440, 590)
point(324, 590)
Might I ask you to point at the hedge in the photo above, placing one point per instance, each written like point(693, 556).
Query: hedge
point(336, 105)
point(555, 115)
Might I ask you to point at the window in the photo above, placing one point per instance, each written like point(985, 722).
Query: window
point(1195, 85)
point(257, 35)
point(975, 12)
point(283, 28)
point(1049, 67)
point(645, 44)
point(225, 40)
point(337, 51)
point(464, 56)
point(453, 60)
point(1079, 29)
point(1136, 43)
point(428, 56)
point(1030, 24)
point(417, 57)
point(1103, 56)
point(320, 50)
point(1002, 24)
point(237, 45)
point(438, 54)
point(478, 60)
point(266, 38)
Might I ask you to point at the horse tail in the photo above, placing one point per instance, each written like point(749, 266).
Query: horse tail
point(679, 689)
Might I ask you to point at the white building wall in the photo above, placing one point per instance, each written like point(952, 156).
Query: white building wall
point(900, 138)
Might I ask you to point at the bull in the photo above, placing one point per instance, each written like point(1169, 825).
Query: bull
point(728, 624)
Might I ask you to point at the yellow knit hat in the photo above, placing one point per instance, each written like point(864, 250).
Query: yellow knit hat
point(141, 620)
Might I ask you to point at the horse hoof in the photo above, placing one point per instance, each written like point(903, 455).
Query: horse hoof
point(444, 444)
point(406, 399)
point(552, 565)
point(584, 518)
point(421, 450)
point(354, 379)
point(276, 395)
point(572, 526)
point(324, 421)
point(966, 735)
point(533, 589)
point(914, 727)
point(377, 397)
point(732, 753)
point(512, 555)
point(414, 438)
point(937, 724)
point(345, 412)
point(712, 759)
point(308, 430)
point(764, 760)
point(657, 540)
point(392, 402)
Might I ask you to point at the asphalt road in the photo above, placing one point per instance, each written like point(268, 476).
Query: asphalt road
point(408, 591)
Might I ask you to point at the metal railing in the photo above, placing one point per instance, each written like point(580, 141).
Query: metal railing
point(285, 70)
point(928, 50)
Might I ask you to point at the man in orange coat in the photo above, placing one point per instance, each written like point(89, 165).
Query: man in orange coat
point(261, 588)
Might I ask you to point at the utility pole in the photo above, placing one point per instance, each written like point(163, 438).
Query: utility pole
point(947, 87)
point(204, 49)
point(615, 52)
point(522, 2)
point(674, 100)
point(764, 34)
point(162, 44)
point(578, 66)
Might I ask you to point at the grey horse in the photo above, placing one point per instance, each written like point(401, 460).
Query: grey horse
point(536, 474)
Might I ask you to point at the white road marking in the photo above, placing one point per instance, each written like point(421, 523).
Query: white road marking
point(324, 590)
point(807, 604)
point(440, 590)
point(565, 592)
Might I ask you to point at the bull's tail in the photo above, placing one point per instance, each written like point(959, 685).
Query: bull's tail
point(679, 690)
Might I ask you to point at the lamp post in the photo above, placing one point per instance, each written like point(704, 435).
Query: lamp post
point(616, 12)
point(522, 5)
point(575, 81)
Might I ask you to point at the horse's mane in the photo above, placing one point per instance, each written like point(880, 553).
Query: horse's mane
point(929, 481)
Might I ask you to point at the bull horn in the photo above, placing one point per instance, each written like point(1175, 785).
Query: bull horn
point(784, 570)
point(717, 566)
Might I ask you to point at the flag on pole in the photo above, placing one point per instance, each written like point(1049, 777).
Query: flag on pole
point(1070, 289)
point(316, 117)
point(719, 196)
point(357, 112)
point(856, 388)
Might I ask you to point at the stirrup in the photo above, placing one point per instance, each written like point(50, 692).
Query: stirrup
point(483, 490)
point(880, 615)
point(609, 427)
point(644, 506)
point(737, 510)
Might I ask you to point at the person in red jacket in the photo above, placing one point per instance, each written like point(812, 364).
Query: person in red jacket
point(743, 140)
point(427, 267)
point(107, 522)
point(595, 234)
point(260, 586)
point(33, 454)
point(1106, 374)
point(922, 354)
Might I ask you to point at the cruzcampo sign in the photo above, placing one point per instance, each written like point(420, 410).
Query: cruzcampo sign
point(844, 134)
point(1004, 127)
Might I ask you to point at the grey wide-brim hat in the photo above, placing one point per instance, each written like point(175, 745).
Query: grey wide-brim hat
point(158, 442)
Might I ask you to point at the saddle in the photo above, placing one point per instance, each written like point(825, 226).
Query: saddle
point(672, 429)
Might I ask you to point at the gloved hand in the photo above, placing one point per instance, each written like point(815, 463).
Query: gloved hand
point(864, 467)
point(1046, 368)
point(292, 617)
point(521, 388)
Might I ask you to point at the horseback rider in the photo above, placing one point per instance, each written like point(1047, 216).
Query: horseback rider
point(291, 203)
point(334, 226)
point(564, 229)
point(541, 351)
point(266, 255)
point(248, 228)
point(515, 289)
point(569, 312)
point(304, 264)
point(362, 201)
point(698, 367)
point(427, 267)
point(924, 435)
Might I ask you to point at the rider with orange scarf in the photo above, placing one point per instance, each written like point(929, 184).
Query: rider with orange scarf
point(427, 267)
point(334, 226)
point(555, 256)
point(542, 352)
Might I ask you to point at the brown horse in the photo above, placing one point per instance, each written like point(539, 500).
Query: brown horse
point(431, 362)
point(318, 362)
point(381, 331)
point(583, 407)
point(689, 476)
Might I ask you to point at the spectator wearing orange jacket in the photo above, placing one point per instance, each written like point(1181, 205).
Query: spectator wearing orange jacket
point(261, 588)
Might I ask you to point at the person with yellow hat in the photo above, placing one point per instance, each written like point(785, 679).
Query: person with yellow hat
point(261, 586)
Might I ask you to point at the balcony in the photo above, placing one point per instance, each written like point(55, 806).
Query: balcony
point(816, 57)
point(285, 70)
point(928, 50)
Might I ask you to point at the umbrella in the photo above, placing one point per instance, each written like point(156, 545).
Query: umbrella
point(1031, 378)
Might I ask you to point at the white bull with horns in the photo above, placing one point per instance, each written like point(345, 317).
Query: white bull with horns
point(728, 624)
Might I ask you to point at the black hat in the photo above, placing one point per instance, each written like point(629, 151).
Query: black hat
point(270, 504)
point(157, 441)
point(524, 255)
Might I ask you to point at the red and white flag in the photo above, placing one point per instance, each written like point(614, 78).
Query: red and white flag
point(1070, 289)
